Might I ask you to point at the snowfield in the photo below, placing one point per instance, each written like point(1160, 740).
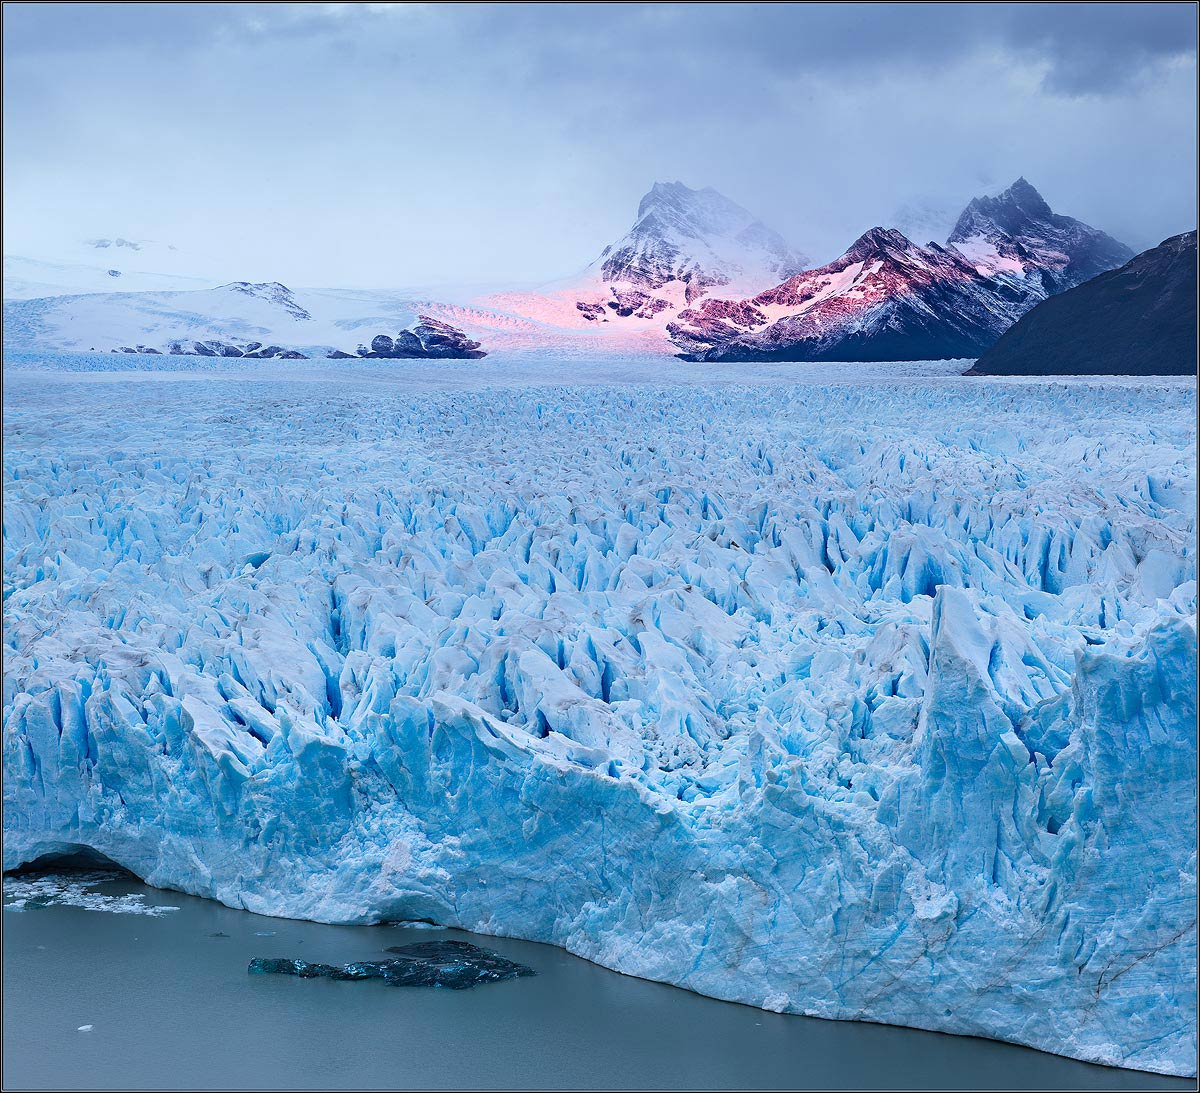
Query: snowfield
point(816, 689)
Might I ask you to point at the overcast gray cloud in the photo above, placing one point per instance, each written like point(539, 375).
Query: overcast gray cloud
point(410, 143)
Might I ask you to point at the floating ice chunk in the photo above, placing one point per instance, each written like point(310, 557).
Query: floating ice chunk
point(21, 893)
point(454, 964)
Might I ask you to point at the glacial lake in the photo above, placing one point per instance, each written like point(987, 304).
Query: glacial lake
point(170, 1005)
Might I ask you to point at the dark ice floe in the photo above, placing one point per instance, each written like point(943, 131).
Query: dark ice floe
point(458, 965)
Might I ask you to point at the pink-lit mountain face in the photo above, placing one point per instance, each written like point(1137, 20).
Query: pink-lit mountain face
point(884, 299)
point(887, 298)
point(684, 244)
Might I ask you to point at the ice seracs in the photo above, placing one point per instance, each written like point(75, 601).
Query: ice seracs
point(870, 700)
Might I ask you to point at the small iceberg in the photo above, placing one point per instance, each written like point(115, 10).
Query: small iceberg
point(454, 964)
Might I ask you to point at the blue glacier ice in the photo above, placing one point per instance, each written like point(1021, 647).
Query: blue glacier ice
point(864, 698)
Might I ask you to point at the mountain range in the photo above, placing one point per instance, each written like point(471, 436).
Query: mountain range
point(696, 275)
point(887, 298)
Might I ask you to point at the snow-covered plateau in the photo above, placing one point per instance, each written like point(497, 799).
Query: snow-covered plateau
point(822, 689)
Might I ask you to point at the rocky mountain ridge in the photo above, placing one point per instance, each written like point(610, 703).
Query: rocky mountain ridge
point(887, 298)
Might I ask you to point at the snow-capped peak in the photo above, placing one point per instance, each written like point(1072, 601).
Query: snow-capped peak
point(697, 213)
point(1011, 210)
point(885, 298)
point(880, 242)
point(685, 244)
point(698, 238)
point(1017, 232)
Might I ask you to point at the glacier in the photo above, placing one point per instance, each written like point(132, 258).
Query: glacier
point(833, 691)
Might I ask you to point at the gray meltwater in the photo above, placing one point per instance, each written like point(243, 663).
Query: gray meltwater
point(100, 991)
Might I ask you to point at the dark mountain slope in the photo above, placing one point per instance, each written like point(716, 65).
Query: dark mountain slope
point(1139, 320)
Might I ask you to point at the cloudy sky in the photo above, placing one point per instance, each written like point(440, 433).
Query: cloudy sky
point(425, 144)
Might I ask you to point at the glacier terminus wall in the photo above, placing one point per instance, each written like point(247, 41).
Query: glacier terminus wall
point(862, 698)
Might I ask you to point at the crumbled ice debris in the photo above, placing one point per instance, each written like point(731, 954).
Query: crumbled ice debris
point(75, 890)
point(879, 695)
point(454, 964)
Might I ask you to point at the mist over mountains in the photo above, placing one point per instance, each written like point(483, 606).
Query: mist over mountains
point(696, 275)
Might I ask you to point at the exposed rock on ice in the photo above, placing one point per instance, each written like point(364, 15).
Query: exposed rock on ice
point(864, 700)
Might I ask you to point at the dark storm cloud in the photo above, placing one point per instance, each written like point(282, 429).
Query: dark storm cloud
point(416, 142)
point(1103, 48)
point(1087, 48)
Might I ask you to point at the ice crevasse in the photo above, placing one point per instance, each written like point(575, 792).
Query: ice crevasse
point(858, 701)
